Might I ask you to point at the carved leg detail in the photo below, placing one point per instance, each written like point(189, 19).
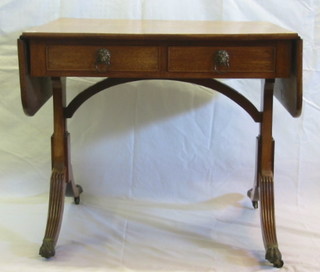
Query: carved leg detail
point(263, 187)
point(268, 220)
point(56, 205)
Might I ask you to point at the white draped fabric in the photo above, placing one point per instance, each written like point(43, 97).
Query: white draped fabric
point(165, 166)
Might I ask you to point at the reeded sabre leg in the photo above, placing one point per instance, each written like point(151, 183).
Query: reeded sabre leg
point(263, 187)
point(56, 205)
point(62, 177)
point(268, 225)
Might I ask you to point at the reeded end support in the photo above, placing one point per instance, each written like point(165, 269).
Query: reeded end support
point(47, 249)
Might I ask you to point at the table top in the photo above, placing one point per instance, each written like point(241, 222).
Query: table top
point(159, 49)
point(157, 28)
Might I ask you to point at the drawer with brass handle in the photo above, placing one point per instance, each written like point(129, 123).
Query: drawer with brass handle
point(102, 59)
point(224, 59)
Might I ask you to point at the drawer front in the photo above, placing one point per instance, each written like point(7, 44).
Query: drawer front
point(73, 58)
point(204, 59)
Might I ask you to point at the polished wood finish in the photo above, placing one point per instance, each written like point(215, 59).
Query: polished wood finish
point(155, 29)
point(159, 59)
point(244, 59)
point(129, 50)
point(35, 91)
point(71, 58)
point(62, 176)
point(288, 90)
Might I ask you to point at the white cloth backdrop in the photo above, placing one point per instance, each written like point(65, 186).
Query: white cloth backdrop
point(165, 166)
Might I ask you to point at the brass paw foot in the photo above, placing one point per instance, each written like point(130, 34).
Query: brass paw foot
point(274, 256)
point(47, 249)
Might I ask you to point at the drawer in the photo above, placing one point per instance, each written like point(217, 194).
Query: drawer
point(203, 59)
point(79, 58)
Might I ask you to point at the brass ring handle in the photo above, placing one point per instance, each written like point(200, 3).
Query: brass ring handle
point(103, 60)
point(221, 60)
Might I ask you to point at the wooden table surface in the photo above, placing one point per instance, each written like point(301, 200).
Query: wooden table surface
point(205, 29)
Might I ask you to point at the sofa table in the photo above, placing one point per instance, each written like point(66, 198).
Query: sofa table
point(123, 51)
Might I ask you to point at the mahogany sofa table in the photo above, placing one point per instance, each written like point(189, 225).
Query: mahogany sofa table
point(194, 52)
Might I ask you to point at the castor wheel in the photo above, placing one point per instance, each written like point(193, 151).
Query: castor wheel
point(77, 199)
point(278, 264)
point(255, 204)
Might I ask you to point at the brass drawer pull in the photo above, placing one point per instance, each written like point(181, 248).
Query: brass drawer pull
point(103, 60)
point(221, 60)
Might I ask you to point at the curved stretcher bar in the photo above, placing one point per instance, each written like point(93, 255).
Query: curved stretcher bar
point(209, 83)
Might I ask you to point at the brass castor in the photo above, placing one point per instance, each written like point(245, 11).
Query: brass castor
point(254, 202)
point(77, 199)
point(274, 256)
point(47, 249)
